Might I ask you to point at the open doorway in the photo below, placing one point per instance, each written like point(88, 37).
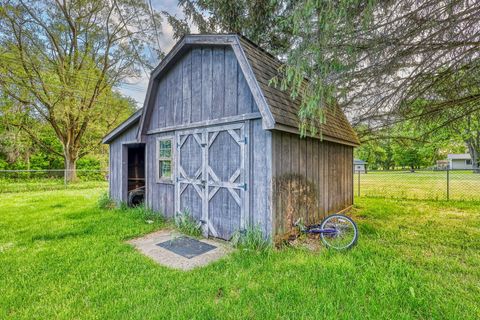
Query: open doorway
point(136, 174)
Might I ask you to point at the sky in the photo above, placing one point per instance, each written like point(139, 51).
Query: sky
point(137, 88)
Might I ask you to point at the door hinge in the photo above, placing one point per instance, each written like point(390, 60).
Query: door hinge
point(244, 141)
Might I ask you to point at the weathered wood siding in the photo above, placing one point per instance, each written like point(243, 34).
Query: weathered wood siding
point(118, 164)
point(260, 177)
point(159, 196)
point(311, 178)
point(206, 83)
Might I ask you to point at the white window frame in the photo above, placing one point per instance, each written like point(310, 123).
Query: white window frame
point(468, 162)
point(158, 159)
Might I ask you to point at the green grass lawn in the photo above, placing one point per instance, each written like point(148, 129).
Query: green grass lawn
point(463, 185)
point(62, 258)
point(29, 185)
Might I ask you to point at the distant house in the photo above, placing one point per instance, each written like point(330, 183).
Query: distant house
point(460, 161)
point(442, 165)
point(359, 166)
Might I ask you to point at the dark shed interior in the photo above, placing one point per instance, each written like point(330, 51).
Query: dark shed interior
point(136, 166)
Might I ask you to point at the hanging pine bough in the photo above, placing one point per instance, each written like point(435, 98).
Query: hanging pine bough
point(376, 57)
point(315, 55)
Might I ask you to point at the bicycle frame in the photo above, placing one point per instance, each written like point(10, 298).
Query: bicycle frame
point(318, 231)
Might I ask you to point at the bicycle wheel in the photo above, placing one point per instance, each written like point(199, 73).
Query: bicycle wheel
point(340, 232)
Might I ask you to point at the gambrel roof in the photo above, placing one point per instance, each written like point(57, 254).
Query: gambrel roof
point(278, 110)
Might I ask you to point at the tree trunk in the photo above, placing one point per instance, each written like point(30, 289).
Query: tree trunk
point(475, 154)
point(70, 167)
point(475, 161)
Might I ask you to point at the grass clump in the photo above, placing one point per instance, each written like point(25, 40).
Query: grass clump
point(251, 238)
point(105, 202)
point(186, 224)
point(144, 213)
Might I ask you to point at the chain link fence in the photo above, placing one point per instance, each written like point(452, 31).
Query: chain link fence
point(419, 184)
point(36, 180)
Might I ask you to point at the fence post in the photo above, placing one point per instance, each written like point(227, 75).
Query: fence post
point(448, 184)
point(358, 183)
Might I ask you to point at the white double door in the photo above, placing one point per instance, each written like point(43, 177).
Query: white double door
point(211, 179)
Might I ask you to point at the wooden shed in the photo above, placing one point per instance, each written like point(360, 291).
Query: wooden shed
point(214, 139)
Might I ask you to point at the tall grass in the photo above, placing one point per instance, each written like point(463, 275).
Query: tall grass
point(251, 238)
point(186, 224)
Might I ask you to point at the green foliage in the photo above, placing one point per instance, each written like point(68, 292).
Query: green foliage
point(252, 238)
point(186, 224)
point(260, 20)
point(405, 145)
point(105, 202)
point(60, 66)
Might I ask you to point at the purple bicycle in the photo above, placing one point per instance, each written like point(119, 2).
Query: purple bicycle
point(336, 231)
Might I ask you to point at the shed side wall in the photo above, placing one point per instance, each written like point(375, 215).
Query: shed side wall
point(310, 178)
point(206, 83)
point(118, 164)
point(159, 196)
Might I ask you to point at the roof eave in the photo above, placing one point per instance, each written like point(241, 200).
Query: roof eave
point(132, 120)
point(282, 127)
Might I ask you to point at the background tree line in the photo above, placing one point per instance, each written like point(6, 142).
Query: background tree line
point(60, 62)
point(405, 72)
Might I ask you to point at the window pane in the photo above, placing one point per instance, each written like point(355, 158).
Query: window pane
point(165, 169)
point(165, 148)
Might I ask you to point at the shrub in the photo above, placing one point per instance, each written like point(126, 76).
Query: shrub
point(186, 224)
point(105, 202)
point(251, 238)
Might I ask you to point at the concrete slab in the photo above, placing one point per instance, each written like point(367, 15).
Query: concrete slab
point(148, 245)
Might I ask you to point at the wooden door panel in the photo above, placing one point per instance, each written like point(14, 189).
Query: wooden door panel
point(190, 184)
point(226, 180)
point(224, 212)
point(191, 200)
point(211, 178)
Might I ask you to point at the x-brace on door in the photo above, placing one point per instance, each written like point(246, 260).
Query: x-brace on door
point(211, 177)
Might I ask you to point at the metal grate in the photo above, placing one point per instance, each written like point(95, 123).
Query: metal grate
point(186, 247)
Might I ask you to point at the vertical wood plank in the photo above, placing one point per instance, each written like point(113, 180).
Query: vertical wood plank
point(232, 104)
point(161, 103)
point(326, 175)
point(287, 168)
point(219, 82)
point(187, 88)
point(207, 85)
point(177, 93)
point(246, 104)
point(276, 160)
point(196, 114)
point(260, 179)
point(170, 89)
point(312, 173)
